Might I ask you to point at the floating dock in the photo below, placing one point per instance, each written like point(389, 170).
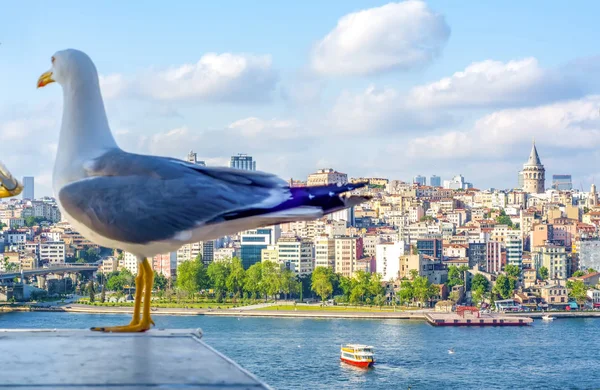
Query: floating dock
point(82, 359)
point(454, 319)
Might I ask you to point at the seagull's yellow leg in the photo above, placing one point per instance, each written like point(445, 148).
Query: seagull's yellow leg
point(146, 320)
point(141, 286)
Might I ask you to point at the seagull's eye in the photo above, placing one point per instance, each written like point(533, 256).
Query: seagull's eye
point(53, 60)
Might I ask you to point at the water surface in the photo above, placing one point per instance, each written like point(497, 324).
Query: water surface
point(304, 353)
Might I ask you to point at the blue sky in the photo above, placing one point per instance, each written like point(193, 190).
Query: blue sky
point(359, 102)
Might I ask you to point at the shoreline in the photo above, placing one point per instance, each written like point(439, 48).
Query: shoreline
point(403, 315)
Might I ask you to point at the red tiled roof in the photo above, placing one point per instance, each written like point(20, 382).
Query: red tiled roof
point(593, 274)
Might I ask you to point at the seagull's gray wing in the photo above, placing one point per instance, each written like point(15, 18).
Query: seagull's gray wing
point(139, 199)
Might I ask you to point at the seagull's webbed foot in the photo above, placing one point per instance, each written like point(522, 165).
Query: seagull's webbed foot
point(143, 286)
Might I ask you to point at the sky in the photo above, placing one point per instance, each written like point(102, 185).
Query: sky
point(369, 88)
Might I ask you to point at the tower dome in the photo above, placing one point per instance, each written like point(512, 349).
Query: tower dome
point(534, 174)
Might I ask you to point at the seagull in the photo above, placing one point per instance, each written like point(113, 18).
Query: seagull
point(147, 205)
point(9, 186)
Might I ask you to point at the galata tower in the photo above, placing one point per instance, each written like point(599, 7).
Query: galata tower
point(534, 174)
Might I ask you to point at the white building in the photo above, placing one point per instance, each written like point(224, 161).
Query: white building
point(225, 254)
point(387, 259)
point(192, 250)
point(325, 177)
point(15, 238)
point(52, 235)
point(370, 242)
point(594, 296)
point(347, 252)
point(325, 252)
point(297, 254)
point(13, 223)
point(514, 250)
point(130, 262)
point(53, 252)
point(456, 183)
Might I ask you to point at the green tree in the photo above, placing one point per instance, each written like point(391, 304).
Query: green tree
point(543, 273)
point(79, 261)
point(346, 285)
point(288, 283)
point(375, 288)
point(361, 288)
point(91, 255)
point(305, 282)
point(218, 271)
point(103, 294)
point(578, 292)
point(160, 281)
point(513, 272)
point(253, 280)
point(29, 221)
point(421, 289)
point(236, 276)
point(479, 282)
point(406, 294)
point(118, 280)
point(270, 279)
point(91, 291)
point(191, 277)
point(454, 277)
point(358, 293)
point(504, 220)
point(502, 287)
point(478, 294)
point(10, 267)
point(591, 271)
point(322, 282)
point(413, 274)
point(577, 274)
point(379, 300)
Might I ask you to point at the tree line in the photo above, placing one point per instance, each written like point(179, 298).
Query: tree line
point(229, 278)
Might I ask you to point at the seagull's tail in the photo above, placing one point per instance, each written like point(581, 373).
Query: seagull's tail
point(328, 199)
point(305, 204)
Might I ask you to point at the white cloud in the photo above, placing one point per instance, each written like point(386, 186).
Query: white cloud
point(113, 85)
point(215, 77)
point(401, 35)
point(571, 125)
point(28, 137)
point(381, 110)
point(273, 128)
point(494, 83)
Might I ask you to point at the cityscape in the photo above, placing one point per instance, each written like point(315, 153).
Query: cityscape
point(291, 195)
point(528, 248)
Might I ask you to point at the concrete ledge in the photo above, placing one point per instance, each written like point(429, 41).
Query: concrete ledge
point(82, 359)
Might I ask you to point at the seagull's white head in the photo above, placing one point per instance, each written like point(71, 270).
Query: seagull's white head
point(70, 66)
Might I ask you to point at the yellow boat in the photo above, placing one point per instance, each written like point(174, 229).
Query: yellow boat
point(357, 355)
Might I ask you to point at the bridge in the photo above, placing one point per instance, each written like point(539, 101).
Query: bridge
point(54, 269)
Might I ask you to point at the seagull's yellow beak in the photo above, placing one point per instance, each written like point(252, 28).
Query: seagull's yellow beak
point(9, 186)
point(45, 79)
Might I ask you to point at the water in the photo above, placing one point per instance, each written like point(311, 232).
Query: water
point(304, 353)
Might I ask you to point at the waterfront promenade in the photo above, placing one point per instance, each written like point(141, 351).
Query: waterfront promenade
point(316, 313)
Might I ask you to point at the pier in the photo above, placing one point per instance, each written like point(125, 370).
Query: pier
point(470, 316)
point(82, 359)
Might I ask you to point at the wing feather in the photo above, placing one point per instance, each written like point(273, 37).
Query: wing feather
point(139, 199)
